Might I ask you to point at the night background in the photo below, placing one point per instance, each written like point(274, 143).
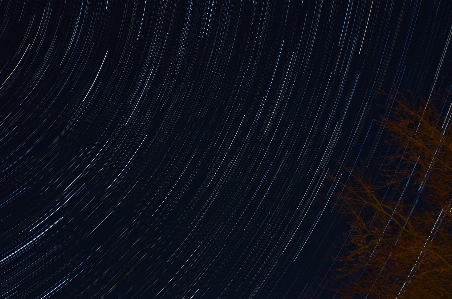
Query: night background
point(180, 149)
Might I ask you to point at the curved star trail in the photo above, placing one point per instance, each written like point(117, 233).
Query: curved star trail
point(179, 149)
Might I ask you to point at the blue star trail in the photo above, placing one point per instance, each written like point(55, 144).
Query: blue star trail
point(180, 148)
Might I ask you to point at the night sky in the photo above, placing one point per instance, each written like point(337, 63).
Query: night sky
point(180, 148)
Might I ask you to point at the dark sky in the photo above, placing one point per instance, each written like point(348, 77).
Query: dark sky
point(179, 148)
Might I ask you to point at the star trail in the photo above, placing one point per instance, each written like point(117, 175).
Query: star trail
point(180, 148)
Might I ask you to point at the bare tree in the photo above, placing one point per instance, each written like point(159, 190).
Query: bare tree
point(400, 240)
